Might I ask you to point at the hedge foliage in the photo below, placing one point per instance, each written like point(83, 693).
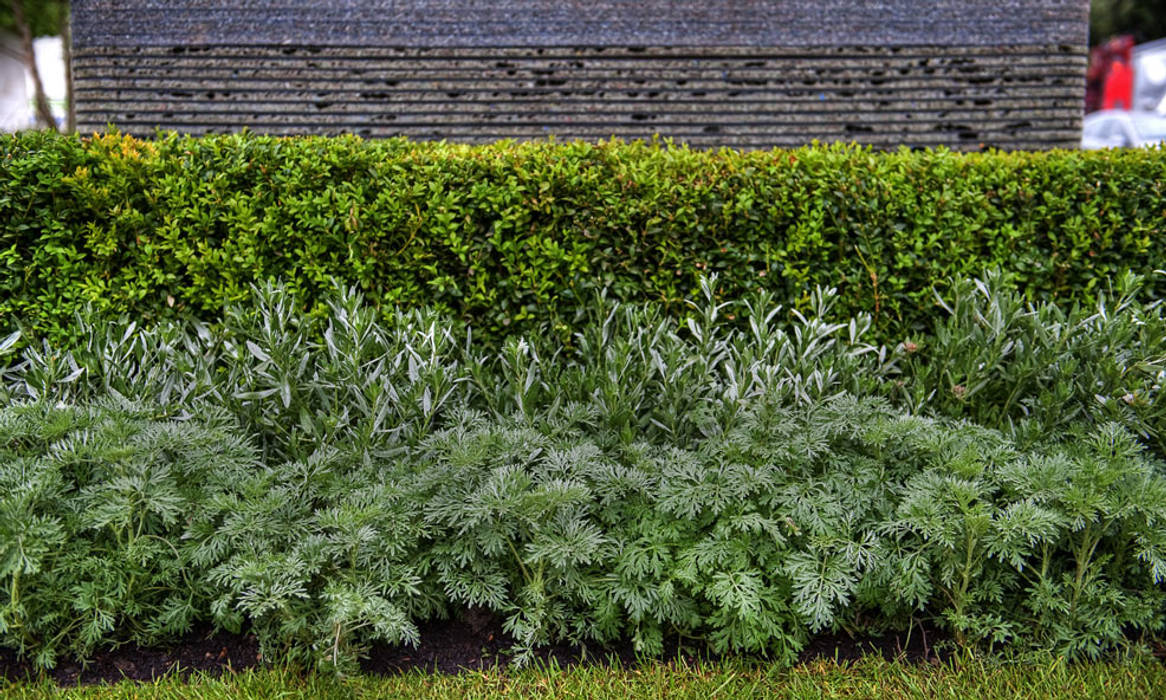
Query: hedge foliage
point(514, 236)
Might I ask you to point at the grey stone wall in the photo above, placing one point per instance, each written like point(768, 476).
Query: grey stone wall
point(967, 74)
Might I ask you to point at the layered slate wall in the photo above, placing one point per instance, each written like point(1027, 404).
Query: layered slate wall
point(963, 73)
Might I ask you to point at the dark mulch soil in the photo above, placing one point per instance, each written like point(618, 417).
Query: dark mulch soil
point(475, 640)
point(200, 651)
point(917, 646)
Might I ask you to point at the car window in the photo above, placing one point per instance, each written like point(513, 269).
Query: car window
point(1108, 131)
point(1094, 127)
point(1151, 129)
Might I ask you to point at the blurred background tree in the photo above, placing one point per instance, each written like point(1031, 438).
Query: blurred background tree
point(1144, 19)
point(28, 19)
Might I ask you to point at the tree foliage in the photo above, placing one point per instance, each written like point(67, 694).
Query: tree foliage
point(1145, 19)
point(44, 17)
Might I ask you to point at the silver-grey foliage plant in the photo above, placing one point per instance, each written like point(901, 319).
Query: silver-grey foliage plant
point(748, 478)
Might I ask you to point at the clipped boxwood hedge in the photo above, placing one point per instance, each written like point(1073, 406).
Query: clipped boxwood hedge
point(511, 236)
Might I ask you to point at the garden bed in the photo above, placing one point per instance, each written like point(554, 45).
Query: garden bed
point(334, 484)
point(472, 642)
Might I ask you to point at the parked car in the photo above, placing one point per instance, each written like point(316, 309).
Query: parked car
point(1117, 128)
point(1149, 62)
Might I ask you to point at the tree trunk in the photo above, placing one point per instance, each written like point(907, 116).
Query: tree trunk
point(43, 112)
point(67, 53)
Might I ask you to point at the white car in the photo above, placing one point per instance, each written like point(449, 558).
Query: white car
point(1116, 128)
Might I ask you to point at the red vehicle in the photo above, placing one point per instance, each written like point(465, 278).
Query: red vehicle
point(1109, 81)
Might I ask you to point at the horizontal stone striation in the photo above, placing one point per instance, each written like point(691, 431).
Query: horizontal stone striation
point(747, 73)
point(962, 97)
point(569, 23)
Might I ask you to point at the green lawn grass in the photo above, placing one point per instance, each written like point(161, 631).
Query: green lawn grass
point(870, 678)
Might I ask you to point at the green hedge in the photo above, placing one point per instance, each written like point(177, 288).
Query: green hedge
point(511, 236)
